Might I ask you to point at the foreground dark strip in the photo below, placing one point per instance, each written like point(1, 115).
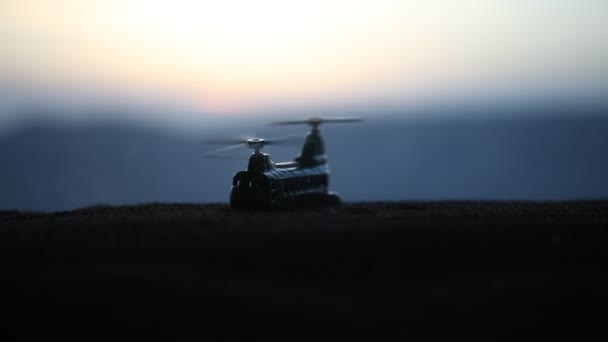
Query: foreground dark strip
point(436, 268)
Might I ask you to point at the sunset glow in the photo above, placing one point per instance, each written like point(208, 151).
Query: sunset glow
point(226, 56)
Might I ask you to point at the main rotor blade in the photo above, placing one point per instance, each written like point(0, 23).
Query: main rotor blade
point(232, 141)
point(219, 151)
point(316, 121)
point(229, 139)
point(293, 122)
point(342, 120)
point(222, 141)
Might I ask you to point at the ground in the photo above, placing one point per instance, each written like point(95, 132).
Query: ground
point(439, 269)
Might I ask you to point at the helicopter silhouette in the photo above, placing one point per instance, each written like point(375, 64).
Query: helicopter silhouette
point(265, 183)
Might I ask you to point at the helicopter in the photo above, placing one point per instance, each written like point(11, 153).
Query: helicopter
point(265, 183)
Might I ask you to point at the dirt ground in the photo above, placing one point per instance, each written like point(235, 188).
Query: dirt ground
point(432, 269)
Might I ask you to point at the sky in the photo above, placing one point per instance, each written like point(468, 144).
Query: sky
point(237, 57)
point(83, 81)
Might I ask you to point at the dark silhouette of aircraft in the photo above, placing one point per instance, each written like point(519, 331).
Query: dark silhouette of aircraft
point(265, 183)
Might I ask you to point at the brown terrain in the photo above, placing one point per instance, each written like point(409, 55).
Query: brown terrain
point(440, 269)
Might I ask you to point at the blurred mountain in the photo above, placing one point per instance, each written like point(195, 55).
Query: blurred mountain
point(49, 167)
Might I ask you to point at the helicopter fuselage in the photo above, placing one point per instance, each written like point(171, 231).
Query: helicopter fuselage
point(262, 189)
point(265, 182)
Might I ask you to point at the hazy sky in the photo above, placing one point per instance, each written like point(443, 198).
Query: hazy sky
point(229, 56)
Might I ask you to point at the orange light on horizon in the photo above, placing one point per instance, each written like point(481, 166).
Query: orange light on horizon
point(230, 55)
